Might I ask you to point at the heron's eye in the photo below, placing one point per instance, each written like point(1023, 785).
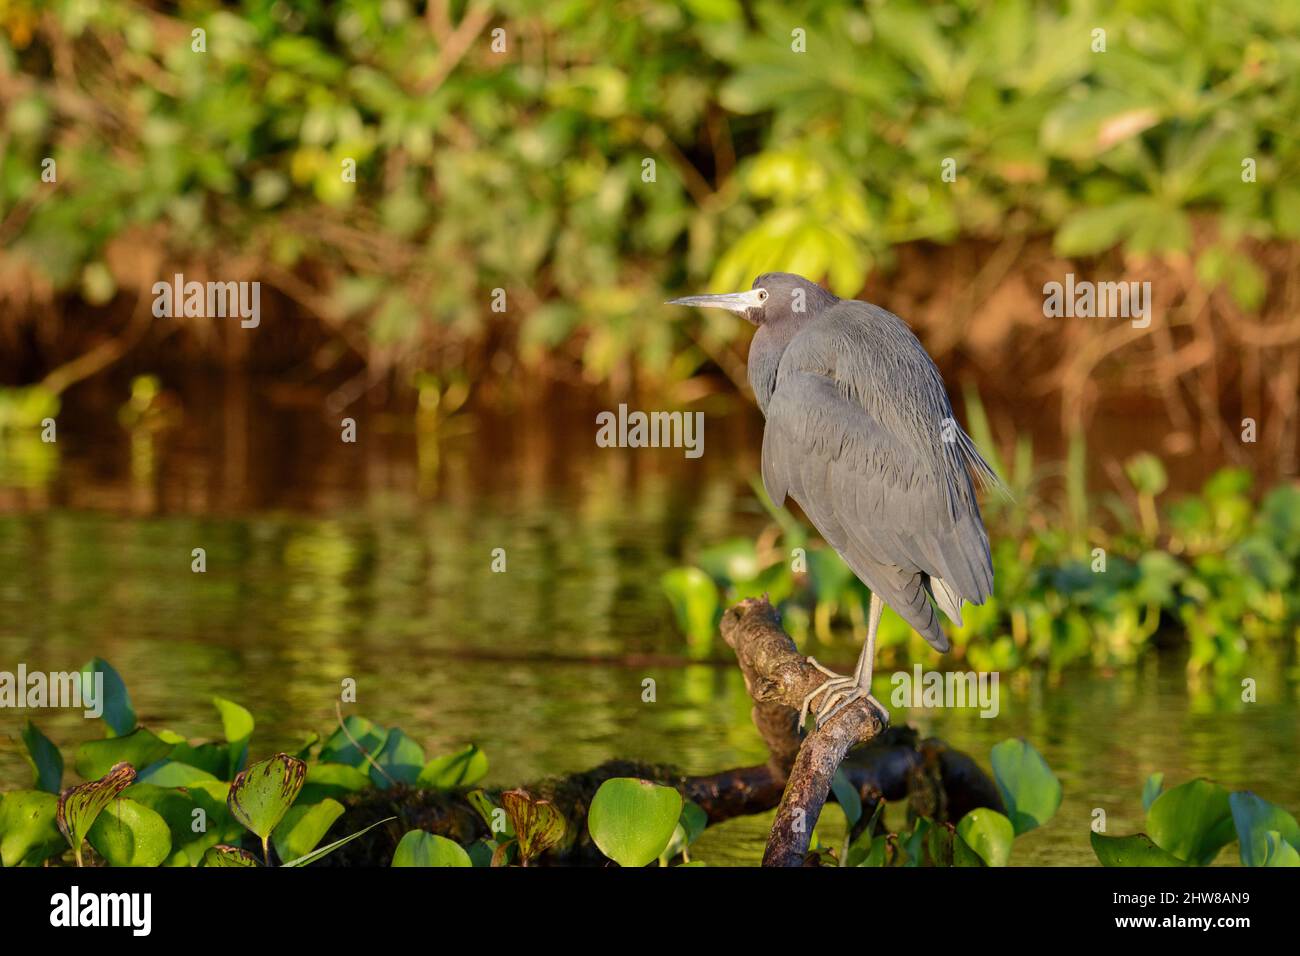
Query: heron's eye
point(762, 295)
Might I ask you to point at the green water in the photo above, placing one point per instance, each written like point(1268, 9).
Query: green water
point(373, 562)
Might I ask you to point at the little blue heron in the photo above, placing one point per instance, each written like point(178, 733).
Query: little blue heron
point(861, 434)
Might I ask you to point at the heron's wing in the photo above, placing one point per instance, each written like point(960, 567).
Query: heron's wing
point(886, 508)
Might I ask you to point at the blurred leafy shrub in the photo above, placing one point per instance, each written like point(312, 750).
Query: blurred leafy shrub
point(523, 170)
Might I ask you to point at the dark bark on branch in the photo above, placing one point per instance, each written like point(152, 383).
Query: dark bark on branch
point(778, 678)
point(893, 764)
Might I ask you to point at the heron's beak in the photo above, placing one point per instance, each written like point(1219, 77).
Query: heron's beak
point(738, 302)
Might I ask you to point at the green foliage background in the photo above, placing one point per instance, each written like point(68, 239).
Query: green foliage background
point(522, 169)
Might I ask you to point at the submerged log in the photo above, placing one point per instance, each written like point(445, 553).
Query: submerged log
point(892, 764)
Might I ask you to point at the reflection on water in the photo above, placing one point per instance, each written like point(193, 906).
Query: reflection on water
point(327, 561)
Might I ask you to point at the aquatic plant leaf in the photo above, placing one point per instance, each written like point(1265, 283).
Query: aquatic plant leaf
point(173, 773)
point(261, 795)
point(690, 825)
point(632, 820)
point(947, 848)
point(496, 818)
point(461, 769)
point(849, 799)
point(29, 833)
point(1030, 791)
point(130, 834)
point(989, 834)
point(118, 714)
point(211, 758)
point(191, 834)
point(303, 827)
point(79, 806)
point(1151, 789)
point(401, 758)
point(237, 723)
point(340, 748)
point(1136, 850)
point(229, 856)
point(1254, 818)
point(418, 848)
point(46, 761)
point(538, 825)
point(142, 747)
point(1278, 851)
point(315, 855)
point(335, 780)
point(1193, 821)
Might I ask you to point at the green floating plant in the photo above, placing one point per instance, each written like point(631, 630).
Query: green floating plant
point(632, 821)
point(1190, 824)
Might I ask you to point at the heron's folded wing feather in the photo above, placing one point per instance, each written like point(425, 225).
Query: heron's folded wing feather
point(871, 497)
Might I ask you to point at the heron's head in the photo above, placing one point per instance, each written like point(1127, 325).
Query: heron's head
point(775, 297)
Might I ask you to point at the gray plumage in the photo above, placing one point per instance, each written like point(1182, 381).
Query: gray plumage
point(860, 432)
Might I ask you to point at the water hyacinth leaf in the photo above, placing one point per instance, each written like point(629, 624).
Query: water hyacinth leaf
point(1136, 850)
point(401, 760)
point(95, 758)
point(1254, 818)
point(1029, 789)
point(342, 745)
point(989, 834)
point(29, 833)
point(1278, 851)
point(418, 848)
point(461, 769)
point(937, 843)
point(309, 742)
point(914, 844)
point(632, 820)
point(45, 759)
point(538, 825)
point(237, 723)
point(879, 852)
point(80, 806)
point(1193, 821)
point(261, 795)
point(303, 827)
point(211, 758)
point(963, 854)
point(229, 856)
point(130, 834)
point(335, 780)
point(177, 808)
point(173, 773)
point(496, 818)
point(693, 820)
point(480, 853)
point(315, 855)
point(849, 799)
point(690, 825)
point(212, 797)
point(118, 714)
point(1151, 789)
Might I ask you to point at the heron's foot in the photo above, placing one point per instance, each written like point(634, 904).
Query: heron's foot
point(840, 692)
point(833, 682)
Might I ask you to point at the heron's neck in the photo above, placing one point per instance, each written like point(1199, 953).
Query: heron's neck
point(765, 351)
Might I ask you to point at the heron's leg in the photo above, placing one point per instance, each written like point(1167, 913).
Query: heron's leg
point(860, 686)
